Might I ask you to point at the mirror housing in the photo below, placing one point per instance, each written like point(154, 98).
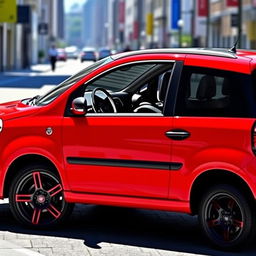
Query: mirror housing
point(79, 106)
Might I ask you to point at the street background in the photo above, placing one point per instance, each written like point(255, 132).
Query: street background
point(28, 28)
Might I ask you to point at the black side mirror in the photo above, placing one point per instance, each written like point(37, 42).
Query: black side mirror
point(79, 106)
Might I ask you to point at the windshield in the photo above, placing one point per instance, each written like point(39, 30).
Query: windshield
point(57, 91)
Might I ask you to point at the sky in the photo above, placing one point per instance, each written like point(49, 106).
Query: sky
point(69, 3)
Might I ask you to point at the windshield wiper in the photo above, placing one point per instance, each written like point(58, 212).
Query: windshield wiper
point(33, 101)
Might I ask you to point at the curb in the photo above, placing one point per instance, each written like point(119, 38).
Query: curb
point(10, 249)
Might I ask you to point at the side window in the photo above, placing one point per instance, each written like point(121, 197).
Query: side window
point(133, 88)
point(121, 78)
point(208, 92)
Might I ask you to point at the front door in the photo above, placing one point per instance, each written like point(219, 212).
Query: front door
point(118, 155)
point(123, 153)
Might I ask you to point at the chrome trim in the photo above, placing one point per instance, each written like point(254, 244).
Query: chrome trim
point(176, 133)
point(1, 125)
point(124, 114)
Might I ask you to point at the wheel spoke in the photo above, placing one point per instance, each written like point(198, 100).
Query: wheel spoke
point(37, 180)
point(216, 205)
point(36, 216)
point(55, 190)
point(55, 213)
point(231, 204)
point(213, 223)
point(23, 198)
point(238, 223)
point(226, 234)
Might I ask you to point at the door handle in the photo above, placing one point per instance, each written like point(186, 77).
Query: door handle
point(177, 134)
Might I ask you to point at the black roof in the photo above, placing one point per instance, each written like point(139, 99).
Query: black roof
point(218, 52)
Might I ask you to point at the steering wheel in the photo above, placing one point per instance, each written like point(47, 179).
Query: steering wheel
point(103, 103)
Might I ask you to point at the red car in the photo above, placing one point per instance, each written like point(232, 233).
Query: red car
point(62, 55)
point(167, 129)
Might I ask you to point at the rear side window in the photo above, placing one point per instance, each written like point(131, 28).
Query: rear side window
point(211, 92)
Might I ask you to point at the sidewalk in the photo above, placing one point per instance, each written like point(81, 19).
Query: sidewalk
point(12, 94)
point(36, 68)
point(42, 71)
point(10, 249)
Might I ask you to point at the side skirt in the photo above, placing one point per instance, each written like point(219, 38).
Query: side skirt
point(133, 202)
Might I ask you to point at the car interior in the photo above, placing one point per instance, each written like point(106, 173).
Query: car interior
point(211, 94)
point(143, 90)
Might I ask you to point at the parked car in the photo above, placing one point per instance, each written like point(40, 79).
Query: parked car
point(166, 129)
point(61, 54)
point(88, 54)
point(103, 53)
point(72, 52)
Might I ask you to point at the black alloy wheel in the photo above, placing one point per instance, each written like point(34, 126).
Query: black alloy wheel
point(36, 198)
point(226, 217)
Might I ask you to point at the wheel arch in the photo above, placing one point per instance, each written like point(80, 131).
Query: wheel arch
point(21, 162)
point(212, 177)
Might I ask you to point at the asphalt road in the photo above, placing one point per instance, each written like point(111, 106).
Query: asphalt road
point(100, 230)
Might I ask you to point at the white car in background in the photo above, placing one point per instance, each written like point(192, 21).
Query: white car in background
point(72, 52)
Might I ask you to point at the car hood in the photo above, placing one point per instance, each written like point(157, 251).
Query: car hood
point(15, 109)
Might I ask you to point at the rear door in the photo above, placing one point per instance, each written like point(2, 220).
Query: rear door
point(213, 122)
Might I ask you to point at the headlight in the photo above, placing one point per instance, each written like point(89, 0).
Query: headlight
point(1, 125)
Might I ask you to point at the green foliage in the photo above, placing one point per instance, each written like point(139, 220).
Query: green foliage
point(186, 40)
point(41, 54)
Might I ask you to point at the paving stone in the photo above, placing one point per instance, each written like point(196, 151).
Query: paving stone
point(45, 251)
point(26, 243)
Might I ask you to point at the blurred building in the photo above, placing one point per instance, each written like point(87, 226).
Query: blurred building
point(74, 26)
point(148, 23)
point(226, 20)
point(87, 28)
point(95, 24)
point(39, 23)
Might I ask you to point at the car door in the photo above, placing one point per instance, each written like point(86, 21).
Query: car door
point(118, 153)
point(212, 124)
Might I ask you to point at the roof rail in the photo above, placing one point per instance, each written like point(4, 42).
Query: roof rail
point(217, 52)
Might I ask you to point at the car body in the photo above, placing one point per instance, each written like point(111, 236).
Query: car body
point(166, 129)
point(61, 54)
point(88, 54)
point(72, 52)
point(104, 52)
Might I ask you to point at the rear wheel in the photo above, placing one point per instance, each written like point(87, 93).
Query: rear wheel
point(36, 197)
point(227, 217)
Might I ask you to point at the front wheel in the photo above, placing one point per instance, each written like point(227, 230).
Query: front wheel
point(36, 197)
point(226, 217)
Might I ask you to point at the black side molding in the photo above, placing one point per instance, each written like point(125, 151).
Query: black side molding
point(125, 163)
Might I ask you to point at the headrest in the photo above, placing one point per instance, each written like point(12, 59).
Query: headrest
point(226, 86)
point(206, 88)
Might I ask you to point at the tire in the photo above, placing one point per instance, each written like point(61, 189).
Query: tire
point(227, 217)
point(36, 197)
